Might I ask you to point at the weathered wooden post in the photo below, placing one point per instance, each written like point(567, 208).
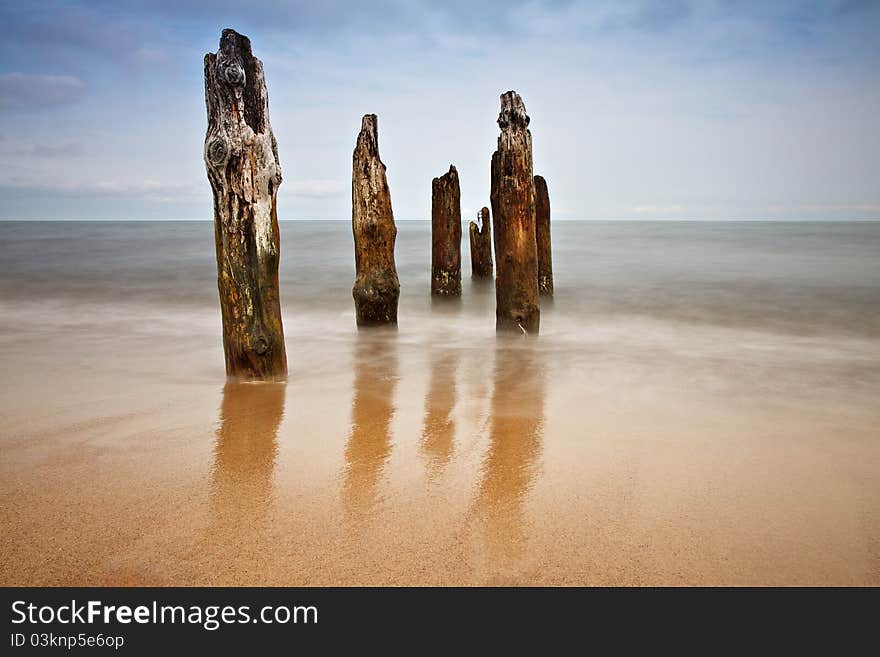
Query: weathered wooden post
point(376, 288)
point(513, 207)
point(446, 235)
point(241, 157)
point(542, 237)
point(481, 245)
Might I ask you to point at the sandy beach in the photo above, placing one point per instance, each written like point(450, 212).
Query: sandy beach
point(681, 420)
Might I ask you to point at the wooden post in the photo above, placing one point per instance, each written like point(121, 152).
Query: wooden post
point(446, 235)
point(542, 237)
point(513, 207)
point(241, 157)
point(376, 288)
point(481, 245)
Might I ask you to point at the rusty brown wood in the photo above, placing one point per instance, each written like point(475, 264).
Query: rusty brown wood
point(542, 237)
point(446, 235)
point(513, 207)
point(376, 288)
point(481, 245)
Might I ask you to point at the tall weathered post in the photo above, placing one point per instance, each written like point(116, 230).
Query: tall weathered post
point(481, 245)
point(542, 237)
point(513, 204)
point(376, 287)
point(446, 235)
point(241, 157)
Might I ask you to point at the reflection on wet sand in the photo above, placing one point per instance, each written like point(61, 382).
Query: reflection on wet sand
point(372, 408)
point(244, 456)
point(438, 434)
point(509, 466)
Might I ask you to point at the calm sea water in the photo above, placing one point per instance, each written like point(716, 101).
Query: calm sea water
point(800, 278)
point(700, 408)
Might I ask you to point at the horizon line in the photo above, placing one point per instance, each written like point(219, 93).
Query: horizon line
point(558, 220)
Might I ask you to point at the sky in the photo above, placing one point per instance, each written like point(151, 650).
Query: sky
point(640, 109)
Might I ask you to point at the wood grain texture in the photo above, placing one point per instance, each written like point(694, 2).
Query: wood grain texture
point(481, 245)
point(542, 237)
point(513, 207)
point(376, 288)
point(446, 235)
point(241, 158)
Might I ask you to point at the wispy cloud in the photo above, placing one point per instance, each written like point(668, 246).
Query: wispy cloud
point(823, 208)
point(148, 189)
point(23, 91)
point(64, 149)
point(316, 188)
point(658, 209)
point(656, 16)
point(641, 109)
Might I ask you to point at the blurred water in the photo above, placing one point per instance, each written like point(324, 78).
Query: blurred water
point(789, 278)
point(700, 407)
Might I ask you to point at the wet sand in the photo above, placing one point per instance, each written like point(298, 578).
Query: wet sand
point(499, 464)
point(616, 450)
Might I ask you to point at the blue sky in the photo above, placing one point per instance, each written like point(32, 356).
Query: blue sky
point(640, 110)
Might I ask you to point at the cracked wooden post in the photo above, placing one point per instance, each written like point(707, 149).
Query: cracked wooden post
point(481, 245)
point(376, 287)
point(241, 157)
point(446, 235)
point(542, 237)
point(513, 207)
